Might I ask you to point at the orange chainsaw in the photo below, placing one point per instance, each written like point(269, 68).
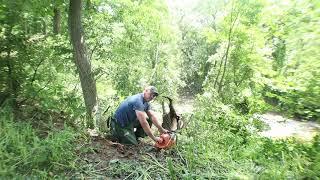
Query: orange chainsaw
point(168, 140)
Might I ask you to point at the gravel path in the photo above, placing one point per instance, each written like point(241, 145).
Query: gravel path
point(281, 127)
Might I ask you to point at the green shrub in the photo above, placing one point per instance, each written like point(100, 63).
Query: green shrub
point(218, 143)
point(23, 153)
point(297, 102)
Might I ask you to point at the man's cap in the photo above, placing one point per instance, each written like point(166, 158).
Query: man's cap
point(153, 90)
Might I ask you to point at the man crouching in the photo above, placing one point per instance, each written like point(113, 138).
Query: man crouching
point(132, 118)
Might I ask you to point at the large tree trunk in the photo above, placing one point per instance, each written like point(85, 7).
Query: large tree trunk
point(84, 67)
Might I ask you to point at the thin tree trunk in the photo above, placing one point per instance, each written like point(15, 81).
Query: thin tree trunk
point(155, 57)
point(56, 20)
point(217, 77)
point(81, 60)
point(224, 66)
point(44, 26)
point(232, 23)
point(154, 64)
point(12, 80)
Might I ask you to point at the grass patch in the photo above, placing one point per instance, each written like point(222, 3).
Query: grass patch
point(23, 153)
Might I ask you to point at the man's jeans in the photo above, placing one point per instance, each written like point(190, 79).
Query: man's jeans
point(128, 134)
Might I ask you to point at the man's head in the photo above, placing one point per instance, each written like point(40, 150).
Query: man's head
point(150, 92)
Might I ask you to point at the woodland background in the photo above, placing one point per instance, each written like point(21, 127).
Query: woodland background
point(66, 65)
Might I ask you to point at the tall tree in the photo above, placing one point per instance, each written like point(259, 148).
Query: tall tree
point(233, 20)
point(88, 83)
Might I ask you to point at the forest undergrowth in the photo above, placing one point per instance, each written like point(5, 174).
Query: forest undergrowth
point(218, 143)
point(64, 62)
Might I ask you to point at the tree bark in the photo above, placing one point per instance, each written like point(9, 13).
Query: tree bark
point(56, 20)
point(81, 60)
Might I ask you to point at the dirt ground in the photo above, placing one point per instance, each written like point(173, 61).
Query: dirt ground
point(101, 155)
point(100, 152)
point(105, 149)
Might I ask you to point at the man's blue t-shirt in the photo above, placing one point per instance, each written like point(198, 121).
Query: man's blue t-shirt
point(126, 112)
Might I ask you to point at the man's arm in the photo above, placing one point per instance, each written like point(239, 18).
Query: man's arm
point(142, 117)
point(155, 121)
